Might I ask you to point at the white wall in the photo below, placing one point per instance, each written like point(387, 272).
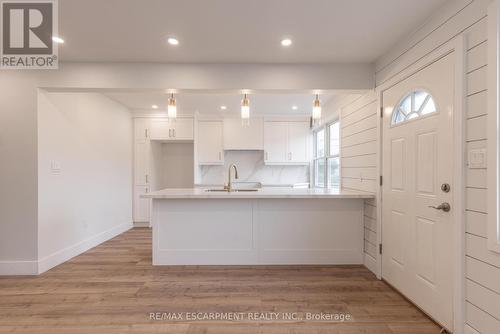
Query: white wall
point(18, 173)
point(90, 199)
point(466, 18)
point(172, 165)
point(210, 76)
point(331, 109)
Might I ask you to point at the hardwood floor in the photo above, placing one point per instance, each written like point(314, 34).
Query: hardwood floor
point(113, 288)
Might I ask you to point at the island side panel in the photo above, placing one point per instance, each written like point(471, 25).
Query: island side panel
point(310, 231)
point(257, 231)
point(203, 232)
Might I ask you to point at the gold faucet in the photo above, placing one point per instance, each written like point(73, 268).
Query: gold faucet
point(229, 186)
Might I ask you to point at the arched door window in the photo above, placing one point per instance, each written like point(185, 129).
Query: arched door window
point(416, 104)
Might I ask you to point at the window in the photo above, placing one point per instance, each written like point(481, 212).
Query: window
point(417, 103)
point(326, 156)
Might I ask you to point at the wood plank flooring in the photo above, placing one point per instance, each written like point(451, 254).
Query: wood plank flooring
point(113, 288)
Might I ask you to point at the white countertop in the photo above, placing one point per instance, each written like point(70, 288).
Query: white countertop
point(193, 193)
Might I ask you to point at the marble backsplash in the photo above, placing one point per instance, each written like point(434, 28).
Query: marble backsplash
point(251, 168)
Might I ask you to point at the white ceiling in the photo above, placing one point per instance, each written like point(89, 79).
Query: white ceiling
point(210, 103)
point(236, 31)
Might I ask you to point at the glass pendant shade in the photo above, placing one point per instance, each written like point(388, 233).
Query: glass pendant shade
point(316, 112)
point(172, 107)
point(245, 108)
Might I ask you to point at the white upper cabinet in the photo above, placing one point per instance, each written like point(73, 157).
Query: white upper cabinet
point(209, 143)
point(239, 136)
point(165, 129)
point(286, 143)
point(275, 142)
point(183, 129)
point(298, 142)
point(159, 129)
point(141, 133)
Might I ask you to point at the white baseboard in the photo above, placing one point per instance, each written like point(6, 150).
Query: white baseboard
point(142, 224)
point(371, 263)
point(67, 253)
point(18, 268)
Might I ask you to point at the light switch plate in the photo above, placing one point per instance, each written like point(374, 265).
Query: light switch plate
point(55, 167)
point(477, 158)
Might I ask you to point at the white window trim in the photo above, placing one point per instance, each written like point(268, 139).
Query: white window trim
point(327, 155)
point(493, 127)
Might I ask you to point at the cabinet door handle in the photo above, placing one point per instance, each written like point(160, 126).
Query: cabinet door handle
point(169, 133)
point(146, 133)
point(146, 178)
point(173, 130)
point(289, 155)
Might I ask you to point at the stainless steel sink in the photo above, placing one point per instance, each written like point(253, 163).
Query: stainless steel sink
point(234, 190)
point(239, 187)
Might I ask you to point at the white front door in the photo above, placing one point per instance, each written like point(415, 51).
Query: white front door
point(417, 166)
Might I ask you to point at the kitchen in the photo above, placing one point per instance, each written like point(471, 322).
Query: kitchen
point(258, 147)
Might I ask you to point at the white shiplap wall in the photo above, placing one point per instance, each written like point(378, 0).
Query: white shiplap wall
point(359, 161)
point(468, 18)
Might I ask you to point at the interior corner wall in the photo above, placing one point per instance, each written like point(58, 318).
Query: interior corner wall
point(359, 160)
point(464, 19)
point(18, 174)
point(84, 173)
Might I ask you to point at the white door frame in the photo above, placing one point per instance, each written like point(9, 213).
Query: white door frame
point(457, 47)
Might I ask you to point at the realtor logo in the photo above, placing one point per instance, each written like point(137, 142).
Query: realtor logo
point(27, 30)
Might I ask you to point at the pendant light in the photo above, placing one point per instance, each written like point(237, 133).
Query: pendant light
point(316, 112)
point(245, 108)
point(172, 107)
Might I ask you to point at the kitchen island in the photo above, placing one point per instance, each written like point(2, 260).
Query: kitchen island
point(268, 226)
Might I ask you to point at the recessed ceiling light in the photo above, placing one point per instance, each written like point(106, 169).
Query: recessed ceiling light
point(58, 40)
point(154, 106)
point(173, 41)
point(223, 107)
point(286, 42)
point(295, 107)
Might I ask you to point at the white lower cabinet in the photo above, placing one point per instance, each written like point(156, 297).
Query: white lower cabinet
point(210, 143)
point(141, 210)
point(286, 142)
point(142, 167)
point(141, 162)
